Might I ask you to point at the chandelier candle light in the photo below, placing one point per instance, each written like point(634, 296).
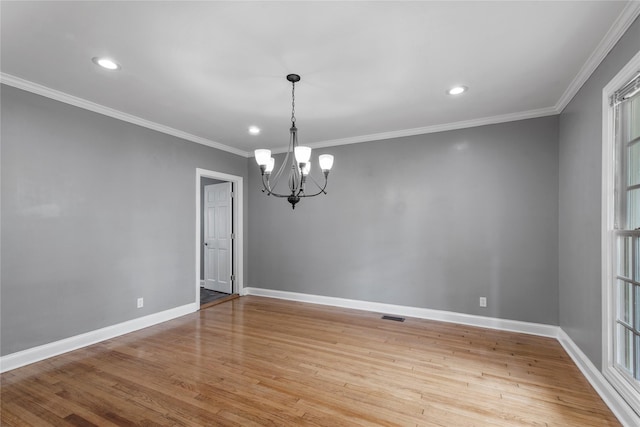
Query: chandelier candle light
point(298, 157)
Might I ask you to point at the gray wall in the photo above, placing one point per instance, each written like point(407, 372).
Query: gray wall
point(432, 221)
point(83, 231)
point(580, 139)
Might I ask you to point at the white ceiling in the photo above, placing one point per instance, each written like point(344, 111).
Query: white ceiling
point(206, 71)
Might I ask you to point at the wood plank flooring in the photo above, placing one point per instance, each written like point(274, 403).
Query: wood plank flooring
point(257, 361)
point(218, 301)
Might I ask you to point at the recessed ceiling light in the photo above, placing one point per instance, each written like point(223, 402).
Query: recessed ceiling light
point(107, 63)
point(457, 90)
point(254, 130)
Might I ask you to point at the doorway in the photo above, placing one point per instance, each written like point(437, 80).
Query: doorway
point(219, 237)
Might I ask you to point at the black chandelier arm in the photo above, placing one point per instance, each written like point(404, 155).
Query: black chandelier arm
point(283, 195)
point(267, 189)
point(321, 187)
point(265, 184)
point(312, 195)
point(277, 195)
point(300, 193)
point(278, 174)
point(285, 164)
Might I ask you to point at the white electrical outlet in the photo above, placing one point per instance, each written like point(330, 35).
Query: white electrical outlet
point(483, 301)
point(140, 302)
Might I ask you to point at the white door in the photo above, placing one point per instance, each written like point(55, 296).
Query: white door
point(217, 237)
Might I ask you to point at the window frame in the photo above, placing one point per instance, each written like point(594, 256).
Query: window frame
point(619, 380)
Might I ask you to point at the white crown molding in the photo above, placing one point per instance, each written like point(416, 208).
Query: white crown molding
point(418, 312)
point(503, 118)
point(36, 354)
point(39, 89)
point(618, 406)
point(617, 30)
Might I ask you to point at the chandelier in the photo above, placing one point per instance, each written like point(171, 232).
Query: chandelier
point(296, 162)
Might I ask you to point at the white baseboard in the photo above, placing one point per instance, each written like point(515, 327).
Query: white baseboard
point(421, 313)
point(202, 283)
point(36, 354)
point(614, 401)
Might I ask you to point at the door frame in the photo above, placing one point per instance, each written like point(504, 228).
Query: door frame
point(237, 221)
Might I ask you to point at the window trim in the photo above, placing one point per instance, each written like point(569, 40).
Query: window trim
point(629, 393)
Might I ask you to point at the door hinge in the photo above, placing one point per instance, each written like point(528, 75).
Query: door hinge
point(233, 235)
point(233, 277)
point(232, 194)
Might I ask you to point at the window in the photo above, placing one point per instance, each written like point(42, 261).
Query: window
point(621, 235)
point(627, 235)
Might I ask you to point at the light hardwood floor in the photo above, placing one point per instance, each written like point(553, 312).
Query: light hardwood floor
point(261, 361)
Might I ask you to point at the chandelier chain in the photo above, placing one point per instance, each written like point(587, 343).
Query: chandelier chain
point(293, 103)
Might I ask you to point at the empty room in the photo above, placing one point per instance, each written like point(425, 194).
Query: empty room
point(341, 213)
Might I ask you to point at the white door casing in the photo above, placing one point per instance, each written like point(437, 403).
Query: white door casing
point(217, 237)
point(238, 229)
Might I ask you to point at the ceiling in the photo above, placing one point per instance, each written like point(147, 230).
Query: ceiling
point(206, 71)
